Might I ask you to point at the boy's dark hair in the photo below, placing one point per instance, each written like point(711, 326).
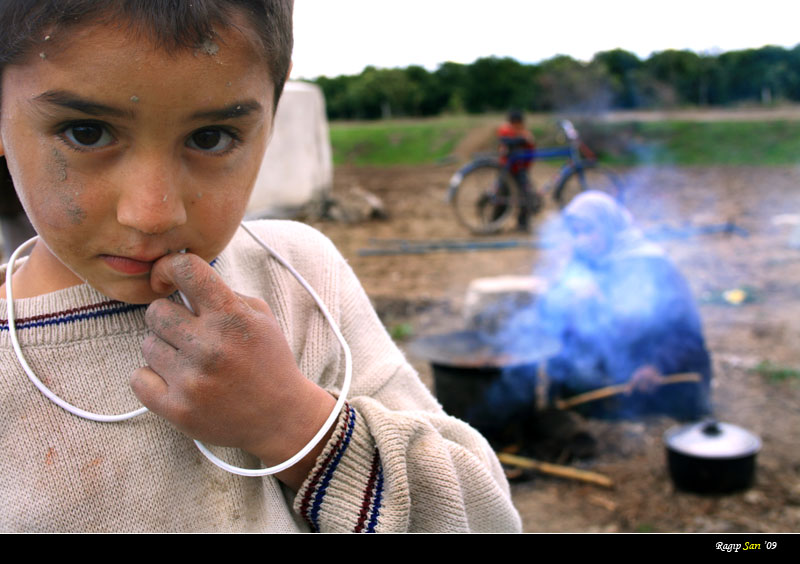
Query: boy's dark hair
point(171, 24)
point(515, 116)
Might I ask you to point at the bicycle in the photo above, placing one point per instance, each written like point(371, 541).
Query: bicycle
point(484, 193)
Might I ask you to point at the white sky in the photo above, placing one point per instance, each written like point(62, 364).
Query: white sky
point(334, 37)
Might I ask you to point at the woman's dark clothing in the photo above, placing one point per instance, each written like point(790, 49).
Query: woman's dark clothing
point(639, 312)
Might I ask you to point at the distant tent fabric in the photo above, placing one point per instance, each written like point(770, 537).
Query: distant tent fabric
point(298, 165)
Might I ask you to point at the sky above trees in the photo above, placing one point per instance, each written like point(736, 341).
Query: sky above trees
point(345, 36)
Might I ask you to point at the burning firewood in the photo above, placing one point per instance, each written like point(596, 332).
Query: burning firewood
point(617, 389)
point(555, 469)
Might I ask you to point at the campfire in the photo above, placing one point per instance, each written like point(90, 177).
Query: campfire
point(493, 375)
point(495, 379)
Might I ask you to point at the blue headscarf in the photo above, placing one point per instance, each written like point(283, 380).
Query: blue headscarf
point(614, 223)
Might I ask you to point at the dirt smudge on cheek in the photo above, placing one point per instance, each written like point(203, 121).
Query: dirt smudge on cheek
point(75, 213)
point(58, 165)
point(57, 169)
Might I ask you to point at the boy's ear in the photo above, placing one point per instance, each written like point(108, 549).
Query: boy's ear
point(289, 72)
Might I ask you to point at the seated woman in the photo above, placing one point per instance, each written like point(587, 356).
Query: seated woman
point(623, 314)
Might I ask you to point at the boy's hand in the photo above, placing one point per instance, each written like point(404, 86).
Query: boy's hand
point(225, 374)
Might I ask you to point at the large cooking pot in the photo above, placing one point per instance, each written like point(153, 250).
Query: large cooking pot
point(482, 379)
point(711, 457)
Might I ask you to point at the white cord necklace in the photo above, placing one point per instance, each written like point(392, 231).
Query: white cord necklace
point(348, 371)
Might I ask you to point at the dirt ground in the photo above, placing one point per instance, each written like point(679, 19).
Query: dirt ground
point(424, 293)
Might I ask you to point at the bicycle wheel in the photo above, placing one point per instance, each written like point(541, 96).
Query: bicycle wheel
point(485, 197)
point(587, 176)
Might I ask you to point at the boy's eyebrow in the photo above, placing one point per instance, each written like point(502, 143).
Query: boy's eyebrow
point(235, 110)
point(73, 101)
point(70, 100)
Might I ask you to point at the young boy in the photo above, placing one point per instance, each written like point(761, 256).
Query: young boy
point(134, 135)
point(513, 138)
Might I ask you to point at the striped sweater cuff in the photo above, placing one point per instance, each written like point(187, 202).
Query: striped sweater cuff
point(345, 490)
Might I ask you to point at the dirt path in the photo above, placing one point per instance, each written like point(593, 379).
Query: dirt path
point(426, 293)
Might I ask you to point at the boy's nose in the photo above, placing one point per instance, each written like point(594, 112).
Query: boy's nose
point(151, 201)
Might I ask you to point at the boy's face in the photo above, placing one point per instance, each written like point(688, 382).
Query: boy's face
point(123, 153)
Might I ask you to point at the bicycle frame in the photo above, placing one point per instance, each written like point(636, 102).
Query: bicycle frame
point(571, 152)
point(485, 192)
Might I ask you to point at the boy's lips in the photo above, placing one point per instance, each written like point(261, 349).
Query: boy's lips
point(127, 265)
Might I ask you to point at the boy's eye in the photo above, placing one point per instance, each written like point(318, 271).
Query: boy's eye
point(88, 135)
point(211, 140)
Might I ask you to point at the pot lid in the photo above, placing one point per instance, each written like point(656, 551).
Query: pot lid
point(712, 439)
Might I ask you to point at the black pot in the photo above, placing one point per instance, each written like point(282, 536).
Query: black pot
point(482, 379)
point(486, 397)
point(711, 457)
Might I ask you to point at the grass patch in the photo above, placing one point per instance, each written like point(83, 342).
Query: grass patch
point(431, 140)
point(701, 143)
point(401, 331)
point(396, 142)
point(775, 372)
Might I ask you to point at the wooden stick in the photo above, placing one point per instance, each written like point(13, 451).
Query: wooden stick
point(617, 389)
point(555, 469)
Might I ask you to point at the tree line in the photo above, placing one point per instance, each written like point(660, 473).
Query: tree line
point(615, 79)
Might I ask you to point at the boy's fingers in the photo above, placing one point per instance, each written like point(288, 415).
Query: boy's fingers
point(149, 387)
point(171, 322)
point(154, 393)
point(194, 277)
point(159, 355)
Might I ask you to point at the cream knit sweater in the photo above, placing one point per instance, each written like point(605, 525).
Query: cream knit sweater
point(396, 462)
